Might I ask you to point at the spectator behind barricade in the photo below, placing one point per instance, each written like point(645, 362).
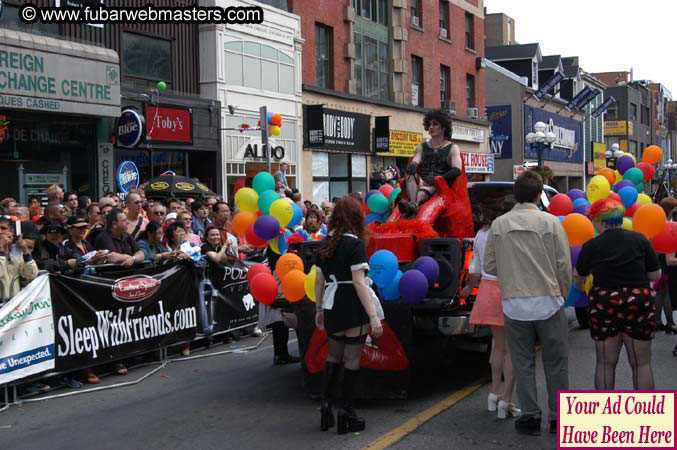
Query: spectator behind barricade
point(137, 222)
point(34, 200)
point(173, 205)
point(186, 219)
point(188, 203)
point(83, 202)
point(200, 218)
point(327, 209)
point(151, 244)
point(116, 200)
point(211, 201)
point(222, 222)
point(214, 251)
point(54, 194)
point(144, 202)
point(313, 223)
point(50, 251)
point(176, 237)
point(15, 261)
point(158, 212)
point(74, 249)
point(7, 203)
point(71, 205)
point(35, 211)
point(100, 224)
point(121, 246)
point(280, 175)
point(21, 212)
point(55, 213)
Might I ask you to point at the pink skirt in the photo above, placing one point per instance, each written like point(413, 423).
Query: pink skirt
point(488, 309)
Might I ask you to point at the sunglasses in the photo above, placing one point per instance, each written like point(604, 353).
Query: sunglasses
point(4, 228)
point(187, 219)
point(138, 202)
point(159, 213)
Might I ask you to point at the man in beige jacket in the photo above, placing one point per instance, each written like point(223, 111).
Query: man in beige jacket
point(529, 252)
point(15, 261)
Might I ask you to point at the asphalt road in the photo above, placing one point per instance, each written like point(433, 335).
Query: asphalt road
point(234, 401)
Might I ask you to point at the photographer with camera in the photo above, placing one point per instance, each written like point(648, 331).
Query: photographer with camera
point(15, 260)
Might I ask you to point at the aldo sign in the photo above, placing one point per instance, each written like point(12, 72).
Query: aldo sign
point(130, 128)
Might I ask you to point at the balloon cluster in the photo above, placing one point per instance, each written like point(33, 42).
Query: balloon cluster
point(625, 185)
point(411, 286)
point(377, 203)
point(295, 283)
point(274, 123)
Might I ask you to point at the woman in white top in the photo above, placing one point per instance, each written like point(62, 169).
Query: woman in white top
point(488, 310)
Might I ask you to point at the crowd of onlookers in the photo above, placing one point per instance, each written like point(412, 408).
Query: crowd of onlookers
point(73, 232)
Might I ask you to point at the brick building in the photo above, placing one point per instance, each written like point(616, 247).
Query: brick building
point(378, 58)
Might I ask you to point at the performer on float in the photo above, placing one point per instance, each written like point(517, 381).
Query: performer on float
point(437, 156)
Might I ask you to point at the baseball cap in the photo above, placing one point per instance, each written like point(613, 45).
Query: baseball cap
point(77, 222)
point(53, 228)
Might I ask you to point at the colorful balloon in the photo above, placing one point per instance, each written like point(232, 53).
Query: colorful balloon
point(369, 194)
point(266, 198)
point(263, 181)
point(624, 163)
point(649, 220)
point(633, 175)
point(608, 174)
point(257, 269)
point(386, 190)
point(309, 284)
point(652, 154)
point(382, 267)
point(429, 267)
point(618, 177)
point(283, 211)
point(575, 194)
point(391, 292)
point(647, 169)
point(628, 196)
point(631, 210)
point(378, 203)
point(614, 196)
point(287, 263)
point(267, 228)
point(246, 199)
point(373, 217)
point(598, 188)
point(575, 253)
point(253, 239)
point(578, 228)
point(627, 223)
point(561, 205)
point(276, 120)
point(263, 288)
point(293, 285)
point(297, 216)
point(644, 199)
point(394, 194)
point(666, 240)
point(275, 130)
point(242, 221)
point(413, 286)
point(161, 86)
point(621, 184)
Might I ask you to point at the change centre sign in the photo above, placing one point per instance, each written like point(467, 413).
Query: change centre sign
point(52, 82)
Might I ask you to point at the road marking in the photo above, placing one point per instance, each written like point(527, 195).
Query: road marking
point(412, 424)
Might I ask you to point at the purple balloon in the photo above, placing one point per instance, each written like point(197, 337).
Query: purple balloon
point(575, 253)
point(267, 228)
point(624, 163)
point(413, 286)
point(582, 208)
point(575, 194)
point(621, 184)
point(370, 193)
point(429, 267)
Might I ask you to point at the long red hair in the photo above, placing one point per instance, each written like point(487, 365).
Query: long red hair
point(347, 217)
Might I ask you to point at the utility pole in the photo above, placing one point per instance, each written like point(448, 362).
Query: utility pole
point(263, 117)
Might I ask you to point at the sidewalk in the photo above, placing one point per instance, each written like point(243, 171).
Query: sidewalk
point(468, 424)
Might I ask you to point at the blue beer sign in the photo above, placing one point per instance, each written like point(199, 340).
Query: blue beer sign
point(128, 176)
point(130, 128)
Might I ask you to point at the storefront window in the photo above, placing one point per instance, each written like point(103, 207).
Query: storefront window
point(259, 66)
point(338, 174)
point(162, 162)
point(146, 57)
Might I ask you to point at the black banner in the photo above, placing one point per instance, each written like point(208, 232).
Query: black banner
point(341, 130)
point(574, 102)
point(382, 134)
point(549, 85)
point(314, 125)
point(109, 317)
point(228, 304)
point(601, 109)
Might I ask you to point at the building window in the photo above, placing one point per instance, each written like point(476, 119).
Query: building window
point(633, 112)
point(9, 18)
point(375, 10)
point(416, 81)
point(444, 19)
point(338, 174)
point(610, 113)
point(147, 58)
point(645, 115)
point(470, 90)
point(469, 31)
point(416, 13)
point(371, 67)
point(259, 66)
point(444, 86)
point(323, 70)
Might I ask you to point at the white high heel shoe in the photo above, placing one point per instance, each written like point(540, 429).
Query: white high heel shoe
point(492, 401)
point(506, 409)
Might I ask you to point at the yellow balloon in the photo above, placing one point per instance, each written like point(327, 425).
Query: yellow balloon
point(644, 199)
point(282, 210)
point(631, 156)
point(598, 188)
point(627, 223)
point(588, 284)
point(273, 246)
point(309, 284)
point(246, 199)
point(275, 130)
point(619, 177)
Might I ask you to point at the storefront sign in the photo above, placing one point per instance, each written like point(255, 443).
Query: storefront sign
point(165, 124)
point(315, 124)
point(130, 128)
point(598, 155)
point(500, 136)
point(381, 136)
point(253, 150)
point(567, 146)
point(464, 133)
point(478, 162)
point(106, 167)
point(128, 176)
point(549, 85)
point(51, 81)
point(402, 143)
point(618, 128)
point(344, 131)
point(601, 109)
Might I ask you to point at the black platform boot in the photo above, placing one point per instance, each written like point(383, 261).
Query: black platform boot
point(348, 420)
point(331, 373)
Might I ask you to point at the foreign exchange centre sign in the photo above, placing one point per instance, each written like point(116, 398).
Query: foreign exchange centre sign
point(53, 82)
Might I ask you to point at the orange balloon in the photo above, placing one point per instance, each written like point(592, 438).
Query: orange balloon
point(287, 263)
point(242, 220)
point(293, 285)
point(578, 228)
point(652, 154)
point(608, 174)
point(649, 220)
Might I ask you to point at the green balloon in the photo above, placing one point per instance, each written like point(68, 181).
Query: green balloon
point(161, 85)
point(639, 187)
point(394, 194)
point(378, 203)
point(634, 175)
point(266, 198)
point(263, 181)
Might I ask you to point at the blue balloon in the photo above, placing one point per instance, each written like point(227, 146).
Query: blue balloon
point(628, 196)
point(582, 208)
point(391, 292)
point(383, 267)
point(576, 194)
point(581, 201)
point(296, 217)
point(373, 217)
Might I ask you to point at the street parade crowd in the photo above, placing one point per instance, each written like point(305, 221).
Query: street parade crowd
point(527, 263)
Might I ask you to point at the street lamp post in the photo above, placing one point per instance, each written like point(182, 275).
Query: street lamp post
point(540, 139)
point(612, 155)
point(670, 166)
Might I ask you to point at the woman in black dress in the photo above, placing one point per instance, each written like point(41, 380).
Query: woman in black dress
point(347, 311)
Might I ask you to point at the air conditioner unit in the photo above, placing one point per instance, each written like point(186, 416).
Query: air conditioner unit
point(443, 33)
point(415, 21)
point(449, 106)
point(473, 113)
